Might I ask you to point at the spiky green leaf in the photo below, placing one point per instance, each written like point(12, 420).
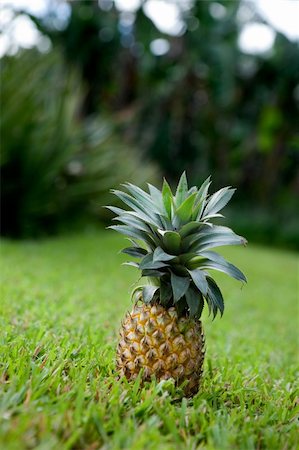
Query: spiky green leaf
point(148, 293)
point(165, 292)
point(132, 222)
point(192, 190)
point(179, 269)
point(136, 252)
point(143, 198)
point(179, 286)
point(212, 216)
point(194, 262)
point(226, 268)
point(167, 198)
point(137, 293)
point(215, 296)
point(215, 236)
point(115, 209)
point(141, 210)
point(148, 263)
point(183, 213)
point(146, 203)
point(184, 258)
point(218, 200)
point(131, 263)
point(134, 233)
point(161, 255)
point(190, 228)
point(157, 198)
point(133, 242)
point(199, 279)
point(182, 190)
point(214, 256)
point(139, 215)
point(195, 302)
point(200, 200)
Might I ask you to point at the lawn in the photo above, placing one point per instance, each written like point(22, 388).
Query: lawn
point(62, 301)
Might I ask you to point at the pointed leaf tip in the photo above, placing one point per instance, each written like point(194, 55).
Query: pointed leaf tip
point(167, 197)
point(182, 190)
point(215, 297)
point(218, 200)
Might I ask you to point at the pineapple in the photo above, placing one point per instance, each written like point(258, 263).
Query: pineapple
point(171, 237)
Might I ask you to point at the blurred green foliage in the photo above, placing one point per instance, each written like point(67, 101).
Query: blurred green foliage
point(56, 167)
point(203, 106)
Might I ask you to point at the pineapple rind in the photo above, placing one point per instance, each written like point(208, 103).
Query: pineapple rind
point(155, 339)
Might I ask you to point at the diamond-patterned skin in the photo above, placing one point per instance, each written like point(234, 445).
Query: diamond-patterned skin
point(165, 346)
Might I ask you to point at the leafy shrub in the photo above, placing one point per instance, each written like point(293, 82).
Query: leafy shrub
point(55, 166)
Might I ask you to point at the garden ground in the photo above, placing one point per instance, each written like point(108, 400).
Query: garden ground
point(61, 304)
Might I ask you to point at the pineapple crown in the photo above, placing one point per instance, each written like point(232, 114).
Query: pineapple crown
point(171, 236)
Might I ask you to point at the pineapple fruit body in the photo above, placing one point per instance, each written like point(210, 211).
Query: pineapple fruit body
point(156, 340)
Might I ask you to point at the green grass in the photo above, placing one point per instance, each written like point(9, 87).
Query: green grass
point(61, 303)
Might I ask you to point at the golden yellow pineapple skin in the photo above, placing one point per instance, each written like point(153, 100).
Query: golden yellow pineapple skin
point(154, 339)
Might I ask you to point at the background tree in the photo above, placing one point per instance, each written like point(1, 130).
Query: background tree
point(202, 105)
